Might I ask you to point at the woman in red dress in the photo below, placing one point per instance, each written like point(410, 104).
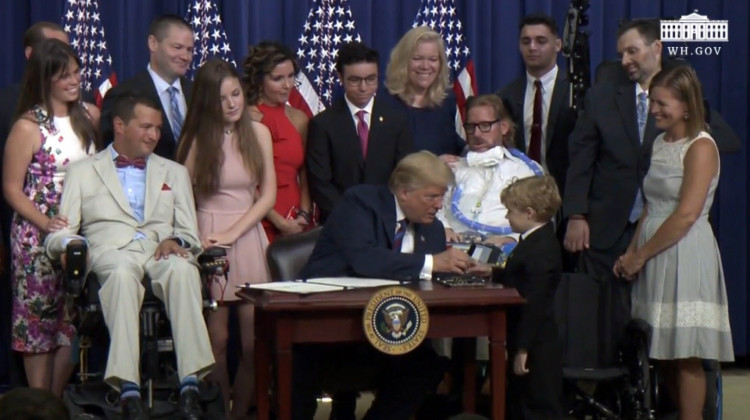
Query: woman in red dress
point(270, 70)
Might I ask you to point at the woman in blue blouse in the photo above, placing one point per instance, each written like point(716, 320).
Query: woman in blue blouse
point(418, 80)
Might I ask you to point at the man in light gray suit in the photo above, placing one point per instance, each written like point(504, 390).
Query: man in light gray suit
point(136, 211)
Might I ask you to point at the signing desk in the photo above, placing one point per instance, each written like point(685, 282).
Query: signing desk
point(282, 319)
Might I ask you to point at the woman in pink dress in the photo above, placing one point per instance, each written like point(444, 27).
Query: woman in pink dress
point(230, 161)
point(52, 130)
point(270, 70)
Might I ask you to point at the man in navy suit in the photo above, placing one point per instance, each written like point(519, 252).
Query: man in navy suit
point(610, 152)
point(358, 140)
point(170, 44)
point(385, 232)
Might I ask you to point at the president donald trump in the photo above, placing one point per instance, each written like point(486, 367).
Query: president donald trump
point(136, 211)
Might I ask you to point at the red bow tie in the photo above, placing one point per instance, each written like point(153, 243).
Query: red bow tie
point(123, 162)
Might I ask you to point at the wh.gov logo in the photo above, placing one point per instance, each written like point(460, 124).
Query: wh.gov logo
point(694, 28)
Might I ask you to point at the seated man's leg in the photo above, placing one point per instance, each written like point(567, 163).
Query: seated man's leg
point(405, 381)
point(176, 282)
point(120, 273)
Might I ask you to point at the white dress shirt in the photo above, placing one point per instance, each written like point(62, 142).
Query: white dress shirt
point(353, 109)
point(407, 244)
point(162, 89)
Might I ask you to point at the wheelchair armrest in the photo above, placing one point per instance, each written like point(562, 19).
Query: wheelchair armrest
point(76, 258)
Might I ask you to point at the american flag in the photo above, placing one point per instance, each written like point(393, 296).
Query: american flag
point(329, 25)
point(81, 20)
point(210, 38)
point(440, 15)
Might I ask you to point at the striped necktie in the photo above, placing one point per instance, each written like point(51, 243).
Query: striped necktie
point(398, 238)
point(174, 112)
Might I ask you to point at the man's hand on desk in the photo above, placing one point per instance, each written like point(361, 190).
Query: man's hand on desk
point(451, 235)
point(169, 247)
point(452, 260)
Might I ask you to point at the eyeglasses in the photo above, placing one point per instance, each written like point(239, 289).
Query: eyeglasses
point(484, 126)
point(356, 81)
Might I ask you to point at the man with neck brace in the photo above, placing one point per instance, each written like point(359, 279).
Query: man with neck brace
point(472, 208)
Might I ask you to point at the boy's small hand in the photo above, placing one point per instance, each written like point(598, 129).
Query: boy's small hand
point(519, 363)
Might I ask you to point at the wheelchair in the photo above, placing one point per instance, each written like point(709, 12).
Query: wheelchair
point(91, 398)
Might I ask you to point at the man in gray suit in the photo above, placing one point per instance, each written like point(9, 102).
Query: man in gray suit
point(136, 211)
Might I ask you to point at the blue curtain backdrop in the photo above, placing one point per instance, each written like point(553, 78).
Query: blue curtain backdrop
point(491, 28)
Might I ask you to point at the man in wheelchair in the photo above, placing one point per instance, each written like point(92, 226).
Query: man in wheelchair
point(137, 215)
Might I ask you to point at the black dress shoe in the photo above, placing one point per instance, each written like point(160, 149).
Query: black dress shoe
point(133, 409)
point(189, 406)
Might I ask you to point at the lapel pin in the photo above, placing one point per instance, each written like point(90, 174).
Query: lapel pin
point(421, 238)
point(380, 119)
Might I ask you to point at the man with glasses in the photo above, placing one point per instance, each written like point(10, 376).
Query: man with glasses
point(358, 140)
point(472, 209)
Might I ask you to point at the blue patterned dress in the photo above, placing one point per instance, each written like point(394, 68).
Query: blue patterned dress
point(39, 321)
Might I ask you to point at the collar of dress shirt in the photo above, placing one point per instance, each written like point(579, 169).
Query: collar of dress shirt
point(353, 109)
point(161, 84)
point(548, 79)
point(399, 213)
point(530, 231)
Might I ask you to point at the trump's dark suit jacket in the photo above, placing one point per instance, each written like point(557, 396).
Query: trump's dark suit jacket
point(357, 240)
point(142, 84)
point(607, 162)
point(334, 153)
point(560, 122)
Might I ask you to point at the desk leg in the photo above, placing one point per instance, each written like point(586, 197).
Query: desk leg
point(262, 364)
point(284, 364)
point(470, 373)
point(497, 363)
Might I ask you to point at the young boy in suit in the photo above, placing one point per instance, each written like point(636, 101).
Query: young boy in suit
point(533, 268)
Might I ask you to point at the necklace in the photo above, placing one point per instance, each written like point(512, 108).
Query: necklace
point(228, 130)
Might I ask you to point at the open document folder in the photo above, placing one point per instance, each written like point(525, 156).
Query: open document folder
point(321, 284)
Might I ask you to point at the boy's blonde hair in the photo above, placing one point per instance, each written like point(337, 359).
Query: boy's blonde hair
point(538, 192)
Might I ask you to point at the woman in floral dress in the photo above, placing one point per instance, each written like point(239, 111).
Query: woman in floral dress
point(52, 129)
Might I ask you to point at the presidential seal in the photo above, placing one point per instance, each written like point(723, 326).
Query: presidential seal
point(396, 320)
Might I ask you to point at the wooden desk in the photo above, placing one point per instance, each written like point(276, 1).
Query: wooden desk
point(282, 319)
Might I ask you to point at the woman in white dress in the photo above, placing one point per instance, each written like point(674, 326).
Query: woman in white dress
point(674, 260)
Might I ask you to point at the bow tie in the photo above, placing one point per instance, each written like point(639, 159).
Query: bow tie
point(123, 162)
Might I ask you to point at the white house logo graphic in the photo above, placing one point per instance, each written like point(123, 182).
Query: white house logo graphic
point(694, 28)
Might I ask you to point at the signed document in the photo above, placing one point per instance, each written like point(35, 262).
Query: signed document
point(321, 284)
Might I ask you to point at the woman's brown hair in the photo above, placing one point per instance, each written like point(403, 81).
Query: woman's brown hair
point(204, 126)
point(685, 86)
point(50, 59)
point(260, 61)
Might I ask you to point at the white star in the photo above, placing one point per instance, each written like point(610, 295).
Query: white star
point(216, 35)
point(225, 48)
point(315, 39)
point(69, 15)
point(214, 48)
point(338, 25)
point(196, 21)
point(336, 39)
point(97, 73)
point(340, 11)
point(467, 51)
point(452, 11)
point(300, 53)
point(350, 25)
point(310, 67)
point(217, 19)
point(347, 38)
point(99, 59)
point(95, 17)
point(433, 11)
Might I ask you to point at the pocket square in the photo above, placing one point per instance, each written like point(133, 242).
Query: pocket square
point(165, 187)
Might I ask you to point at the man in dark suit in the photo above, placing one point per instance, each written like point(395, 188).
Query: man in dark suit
point(343, 149)
point(170, 43)
point(610, 151)
point(385, 232)
point(545, 119)
point(8, 101)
